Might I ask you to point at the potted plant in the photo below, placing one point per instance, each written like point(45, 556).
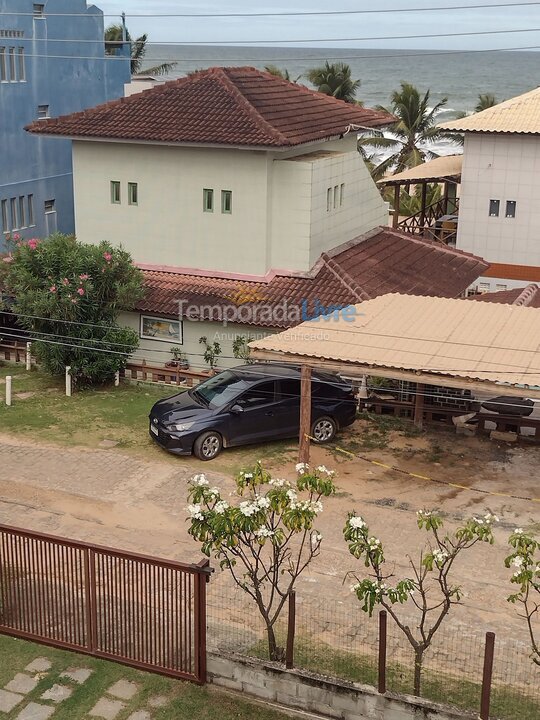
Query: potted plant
point(211, 352)
point(179, 360)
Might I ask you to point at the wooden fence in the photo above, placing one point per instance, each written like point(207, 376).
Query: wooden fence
point(156, 373)
point(134, 609)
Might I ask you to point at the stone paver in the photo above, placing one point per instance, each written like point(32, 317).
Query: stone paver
point(123, 689)
point(8, 701)
point(35, 711)
point(78, 675)
point(40, 664)
point(22, 683)
point(107, 709)
point(57, 693)
point(158, 701)
point(140, 715)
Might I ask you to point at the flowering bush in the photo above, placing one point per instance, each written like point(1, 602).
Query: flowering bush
point(525, 558)
point(267, 538)
point(428, 590)
point(68, 296)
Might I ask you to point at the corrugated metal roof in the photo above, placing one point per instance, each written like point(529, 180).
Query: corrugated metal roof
point(438, 169)
point(520, 114)
point(477, 341)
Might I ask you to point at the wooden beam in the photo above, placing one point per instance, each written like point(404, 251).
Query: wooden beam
point(423, 207)
point(395, 219)
point(419, 406)
point(305, 414)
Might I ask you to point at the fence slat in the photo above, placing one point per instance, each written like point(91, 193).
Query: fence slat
point(487, 676)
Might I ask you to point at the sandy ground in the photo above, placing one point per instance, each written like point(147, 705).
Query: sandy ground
point(111, 498)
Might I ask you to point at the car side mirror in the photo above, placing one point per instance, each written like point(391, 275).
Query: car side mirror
point(237, 409)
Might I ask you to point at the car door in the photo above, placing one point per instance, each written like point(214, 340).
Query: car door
point(287, 409)
point(257, 419)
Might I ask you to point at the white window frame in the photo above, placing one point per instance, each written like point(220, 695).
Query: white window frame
point(3, 65)
point(21, 64)
point(176, 340)
point(497, 204)
point(133, 199)
point(43, 112)
point(12, 64)
point(510, 205)
point(224, 195)
point(329, 199)
point(114, 186)
point(31, 217)
point(14, 212)
point(4, 216)
point(39, 10)
point(22, 212)
point(208, 195)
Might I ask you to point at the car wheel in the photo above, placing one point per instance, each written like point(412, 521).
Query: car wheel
point(324, 429)
point(208, 445)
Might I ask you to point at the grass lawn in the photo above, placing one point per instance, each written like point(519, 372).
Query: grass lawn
point(185, 701)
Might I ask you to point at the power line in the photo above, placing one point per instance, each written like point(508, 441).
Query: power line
point(293, 13)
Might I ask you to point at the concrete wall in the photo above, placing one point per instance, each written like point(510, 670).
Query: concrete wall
point(279, 217)
point(67, 74)
point(158, 352)
point(499, 167)
point(296, 689)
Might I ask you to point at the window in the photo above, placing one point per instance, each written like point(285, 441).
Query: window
point(226, 202)
point(22, 69)
point(50, 206)
point(22, 212)
point(484, 287)
point(494, 206)
point(3, 66)
point(500, 288)
point(336, 196)
point(31, 222)
point(510, 208)
point(133, 194)
point(43, 112)
point(208, 200)
point(263, 394)
point(116, 197)
point(4, 215)
point(289, 390)
point(12, 66)
point(342, 194)
point(328, 199)
point(14, 220)
point(39, 10)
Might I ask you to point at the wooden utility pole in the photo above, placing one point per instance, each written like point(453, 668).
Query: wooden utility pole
point(305, 414)
point(395, 219)
point(419, 406)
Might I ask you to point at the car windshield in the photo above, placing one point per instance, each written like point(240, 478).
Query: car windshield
point(221, 390)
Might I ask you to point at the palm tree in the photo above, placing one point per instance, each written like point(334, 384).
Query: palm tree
point(278, 72)
point(114, 37)
point(412, 136)
point(335, 79)
point(485, 101)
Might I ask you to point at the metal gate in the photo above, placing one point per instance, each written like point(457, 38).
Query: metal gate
point(135, 609)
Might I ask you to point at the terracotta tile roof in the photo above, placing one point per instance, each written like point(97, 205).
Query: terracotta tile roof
point(529, 273)
point(383, 261)
point(520, 114)
point(524, 297)
point(223, 106)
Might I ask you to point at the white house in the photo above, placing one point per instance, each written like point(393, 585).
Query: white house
point(499, 212)
point(234, 190)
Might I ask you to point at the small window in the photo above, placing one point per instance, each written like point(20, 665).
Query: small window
point(336, 196)
point(50, 206)
point(484, 287)
point(31, 222)
point(208, 200)
point(3, 65)
point(22, 211)
point(342, 194)
point(43, 112)
point(133, 194)
point(116, 197)
point(263, 394)
point(510, 208)
point(12, 65)
point(328, 199)
point(39, 9)
point(494, 206)
point(14, 219)
point(4, 215)
point(501, 288)
point(226, 202)
point(22, 69)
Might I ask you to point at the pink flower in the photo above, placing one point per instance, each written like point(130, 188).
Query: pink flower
point(53, 288)
point(32, 244)
point(84, 276)
point(65, 282)
point(16, 237)
point(107, 256)
point(80, 291)
point(8, 259)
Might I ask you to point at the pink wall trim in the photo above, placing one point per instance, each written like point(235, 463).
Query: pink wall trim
point(218, 274)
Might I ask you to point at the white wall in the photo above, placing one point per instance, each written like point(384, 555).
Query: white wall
point(500, 167)
point(158, 352)
point(279, 218)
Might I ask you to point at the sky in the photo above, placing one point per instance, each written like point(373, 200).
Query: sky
point(318, 29)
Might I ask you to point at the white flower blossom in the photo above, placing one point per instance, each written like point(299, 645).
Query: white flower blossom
point(221, 506)
point(315, 538)
point(489, 518)
point(424, 513)
point(195, 512)
point(263, 503)
point(518, 531)
point(200, 481)
point(214, 492)
point(264, 532)
point(302, 468)
point(325, 470)
point(357, 523)
point(248, 508)
point(440, 556)
point(374, 543)
point(517, 561)
point(355, 587)
point(279, 482)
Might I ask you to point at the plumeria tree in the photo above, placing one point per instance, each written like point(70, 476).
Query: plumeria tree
point(525, 559)
point(429, 591)
point(266, 538)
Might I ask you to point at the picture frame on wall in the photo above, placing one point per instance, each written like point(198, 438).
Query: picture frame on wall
point(161, 329)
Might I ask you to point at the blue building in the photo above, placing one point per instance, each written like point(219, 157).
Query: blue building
point(52, 62)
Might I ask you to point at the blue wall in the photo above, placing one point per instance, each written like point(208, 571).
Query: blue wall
point(82, 78)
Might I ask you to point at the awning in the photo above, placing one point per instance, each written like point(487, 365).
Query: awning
point(441, 169)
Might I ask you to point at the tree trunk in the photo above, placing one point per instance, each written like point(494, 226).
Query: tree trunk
point(418, 661)
point(275, 653)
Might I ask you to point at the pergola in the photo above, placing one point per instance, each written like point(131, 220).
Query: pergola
point(445, 170)
point(483, 347)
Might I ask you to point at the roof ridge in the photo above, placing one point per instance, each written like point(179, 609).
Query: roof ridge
point(525, 298)
point(345, 279)
point(438, 245)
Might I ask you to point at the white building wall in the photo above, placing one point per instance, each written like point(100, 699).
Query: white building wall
point(157, 352)
point(500, 167)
